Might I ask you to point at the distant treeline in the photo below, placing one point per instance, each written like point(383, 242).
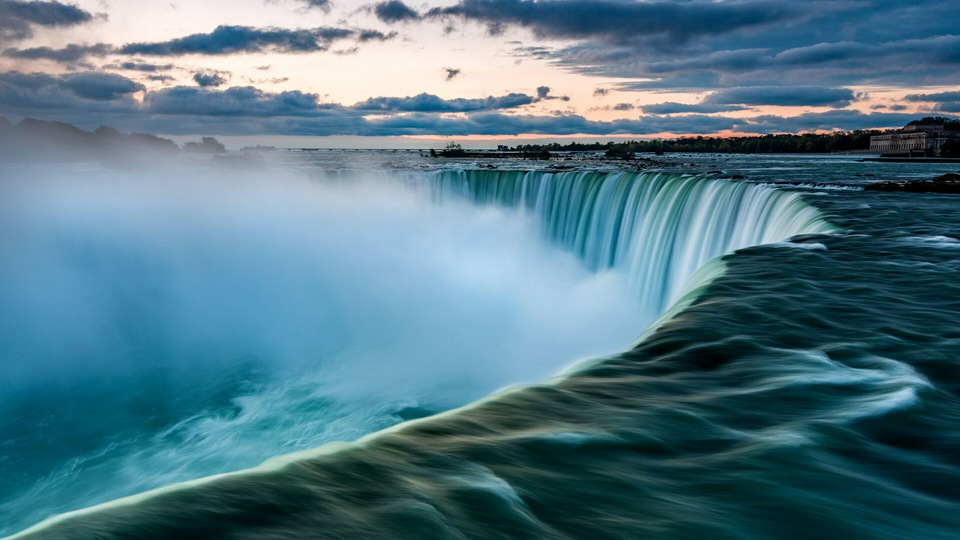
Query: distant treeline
point(949, 124)
point(844, 141)
point(807, 143)
point(39, 140)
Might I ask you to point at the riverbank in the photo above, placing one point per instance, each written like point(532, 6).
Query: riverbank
point(912, 160)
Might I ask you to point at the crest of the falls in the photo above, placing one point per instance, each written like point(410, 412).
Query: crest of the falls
point(657, 227)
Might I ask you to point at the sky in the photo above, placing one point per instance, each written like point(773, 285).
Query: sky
point(400, 74)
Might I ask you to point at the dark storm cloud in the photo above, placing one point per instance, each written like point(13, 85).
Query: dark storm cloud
point(601, 92)
point(249, 111)
point(143, 66)
point(949, 107)
point(935, 97)
point(501, 124)
point(822, 43)
point(27, 80)
point(937, 49)
point(249, 101)
point(838, 119)
point(615, 21)
point(80, 93)
point(738, 60)
point(374, 35)
point(99, 86)
point(17, 18)
point(543, 94)
point(91, 98)
point(394, 11)
point(317, 4)
point(209, 79)
point(678, 108)
point(841, 61)
point(68, 55)
point(948, 102)
point(237, 101)
point(432, 103)
point(336, 122)
point(246, 39)
point(810, 96)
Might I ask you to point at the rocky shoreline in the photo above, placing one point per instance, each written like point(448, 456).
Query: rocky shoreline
point(947, 183)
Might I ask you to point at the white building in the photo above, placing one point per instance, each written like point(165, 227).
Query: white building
point(924, 140)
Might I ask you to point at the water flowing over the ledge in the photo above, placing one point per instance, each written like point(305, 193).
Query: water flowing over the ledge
point(657, 229)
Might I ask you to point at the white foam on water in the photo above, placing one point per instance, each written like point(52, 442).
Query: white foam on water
point(812, 246)
point(945, 242)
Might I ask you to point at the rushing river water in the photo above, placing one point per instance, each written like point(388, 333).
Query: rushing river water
point(161, 327)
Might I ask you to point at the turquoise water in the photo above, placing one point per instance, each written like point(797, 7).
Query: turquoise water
point(810, 389)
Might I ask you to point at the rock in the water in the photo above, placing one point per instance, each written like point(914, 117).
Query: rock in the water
point(947, 183)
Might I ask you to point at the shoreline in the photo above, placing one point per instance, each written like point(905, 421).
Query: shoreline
point(912, 160)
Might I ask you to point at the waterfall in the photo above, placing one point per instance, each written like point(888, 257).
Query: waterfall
point(342, 297)
point(657, 227)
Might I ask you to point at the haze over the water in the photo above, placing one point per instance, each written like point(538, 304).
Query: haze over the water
point(254, 314)
point(287, 270)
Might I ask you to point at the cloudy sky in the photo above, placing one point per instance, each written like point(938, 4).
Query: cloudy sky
point(364, 73)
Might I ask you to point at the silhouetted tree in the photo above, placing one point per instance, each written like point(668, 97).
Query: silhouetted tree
point(950, 149)
point(207, 145)
point(453, 150)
